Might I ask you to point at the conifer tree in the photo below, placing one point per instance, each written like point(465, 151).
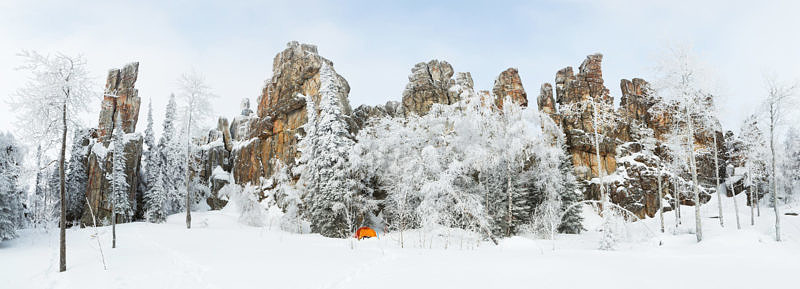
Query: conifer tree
point(120, 202)
point(572, 221)
point(11, 208)
point(77, 176)
point(170, 160)
point(332, 202)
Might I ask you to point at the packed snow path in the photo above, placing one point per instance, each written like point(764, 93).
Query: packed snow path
point(218, 252)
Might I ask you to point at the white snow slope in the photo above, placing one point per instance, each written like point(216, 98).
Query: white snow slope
point(218, 252)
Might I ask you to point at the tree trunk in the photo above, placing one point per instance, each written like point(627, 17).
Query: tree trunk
point(113, 228)
point(188, 170)
point(508, 189)
point(690, 138)
point(676, 194)
point(716, 173)
point(758, 203)
point(752, 206)
point(600, 170)
point(774, 180)
point(736, 207)
point(62, 247)
point(660, 205)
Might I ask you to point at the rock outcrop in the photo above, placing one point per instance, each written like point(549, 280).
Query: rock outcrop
point(120, 102)
point(508, 84)
point(631, 176)
point(429, 83)
point(281, 113)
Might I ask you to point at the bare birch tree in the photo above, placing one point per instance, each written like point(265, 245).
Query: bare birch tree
point(777, 94)
point(58, 90)
point(683, 80)
point(196, 95)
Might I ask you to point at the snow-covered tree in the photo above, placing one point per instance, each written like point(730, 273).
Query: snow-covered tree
point(571, 195)
point(683, 82)
point(791, 165)
point(754, 154)
point(455, 166)
point(11, 207)
point(333, 205)
point(151, 159)
point(119, 199)
point(196, 96)
point(246, 201)
point(77, 176)
point(777, 95)
point(171, 161)
point(155, 196)
point(38, 200)
point(58, 90)
point(154, 201)
point(288, 198)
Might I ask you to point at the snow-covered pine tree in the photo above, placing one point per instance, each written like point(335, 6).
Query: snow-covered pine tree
point(77, 176)
point(119, 199)
point(332, 203)
point(154, 201)
point(572, 221)
point(171, 162)
point(151, 160)
point(11, 207)
point(53, 202)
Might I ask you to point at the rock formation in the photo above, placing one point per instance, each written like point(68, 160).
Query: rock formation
point(429, 83)
point(508, 84)
point(120, 102)
point(281, 113)
point(631, 177)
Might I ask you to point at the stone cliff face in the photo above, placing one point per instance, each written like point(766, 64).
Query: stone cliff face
point(120, 102)
point(249, 146)
point(281, 113)
point(429, 83)
point(508, 84)
point(631, 177)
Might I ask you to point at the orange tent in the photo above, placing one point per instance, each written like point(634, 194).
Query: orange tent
point(365, 232)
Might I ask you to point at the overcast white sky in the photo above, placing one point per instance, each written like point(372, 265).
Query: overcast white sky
point(375, 44)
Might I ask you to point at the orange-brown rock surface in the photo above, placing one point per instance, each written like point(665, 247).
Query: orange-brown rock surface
point(631, 176)
point(282, 112)
point(508, 84)
point(120, 101)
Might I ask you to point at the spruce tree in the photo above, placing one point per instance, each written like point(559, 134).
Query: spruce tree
point(77, 176)
point(170, 160)
point(11, 209)
point(324, 151)
point(571, 222)
point(120, 201)
point(154, 201)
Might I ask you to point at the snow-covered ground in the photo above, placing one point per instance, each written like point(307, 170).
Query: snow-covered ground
point(218, 252)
